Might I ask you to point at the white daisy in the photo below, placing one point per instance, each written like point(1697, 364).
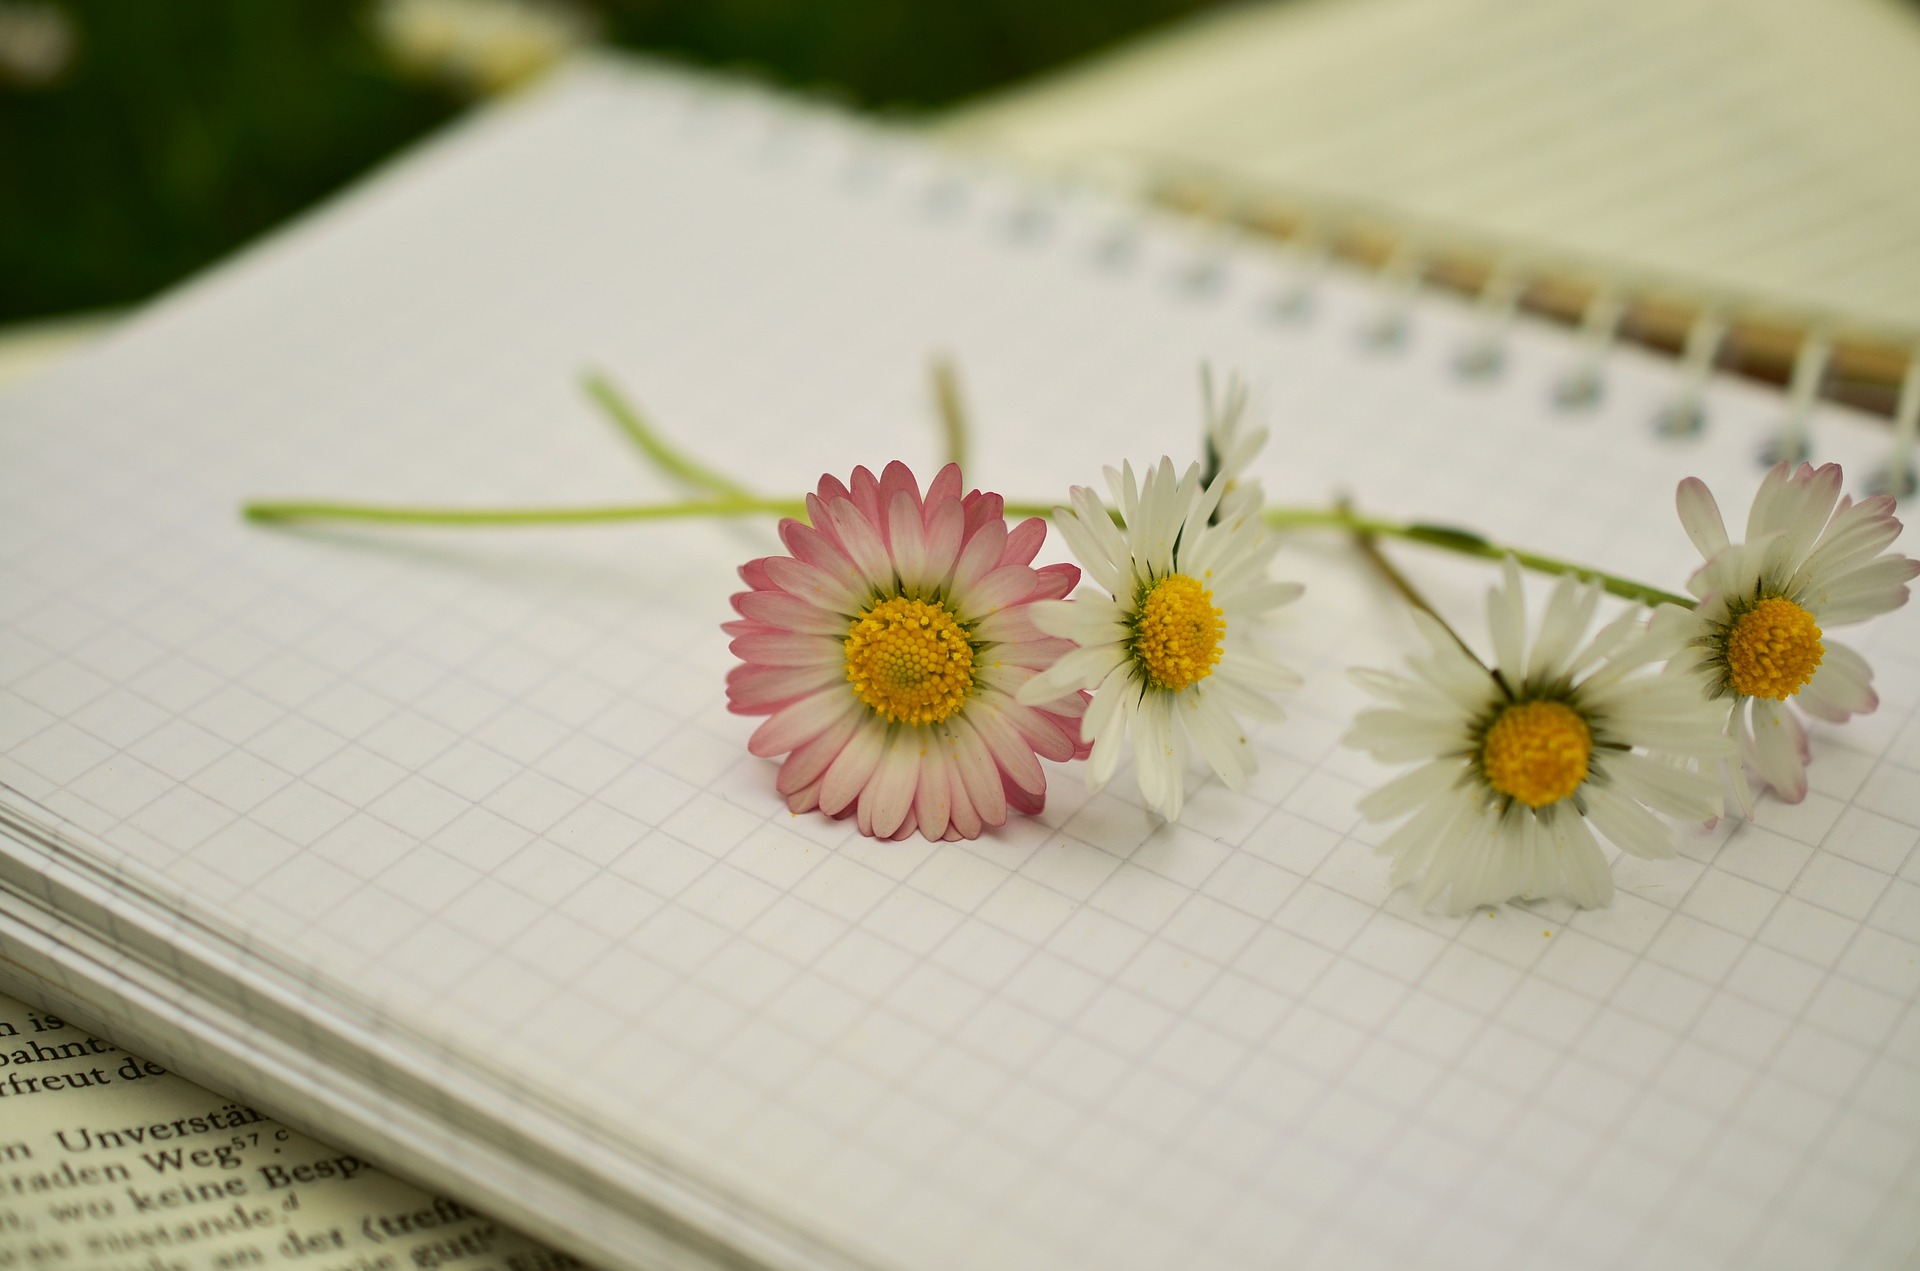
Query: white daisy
point(1813, 560)
point(1227, 453)
point(1514, 763)
point(1168, 652)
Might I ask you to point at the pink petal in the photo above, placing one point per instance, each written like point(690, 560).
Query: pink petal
point(805, 799)
point(815, 586)
point(754, 574)
point(799, 723)
point(979, 775)
point(785, 649)
point(808, 544)
point(896, 479)
point(946, 522)
point(1013, 755)
point(1029, 803)
point(946, 486)
point(907, 540)
point(761, 690)
point(1056, 582)
point(808, 763)
point(1008, 585)
point(862, 541)
point(983, 509)
point(889, 794)
point(978, 557)
point(1024, 541)
point(964, 819)
point(1048, 739)
point(789, 612)
point(865, 489)
point(933, 797)
point(848, 773)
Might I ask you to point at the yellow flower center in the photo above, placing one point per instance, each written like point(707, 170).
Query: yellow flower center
point(910, 661)
point(1773, 649)
point(1177, 632)
point(1537, 752)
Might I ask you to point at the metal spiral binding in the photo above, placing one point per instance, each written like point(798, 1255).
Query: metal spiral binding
point(1113, 205)
point(1583, 384)
point(1793, 443)
point(1897, 476)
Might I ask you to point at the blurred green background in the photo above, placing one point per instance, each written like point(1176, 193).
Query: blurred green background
point(141, 139)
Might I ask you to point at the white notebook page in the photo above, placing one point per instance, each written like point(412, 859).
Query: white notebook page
point(482, 786)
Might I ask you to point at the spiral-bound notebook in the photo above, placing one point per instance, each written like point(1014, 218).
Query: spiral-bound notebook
point(443, 845)
point(1620, 161)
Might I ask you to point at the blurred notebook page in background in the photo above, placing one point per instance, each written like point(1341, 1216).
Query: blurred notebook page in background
point(444, 844)
point(1756, 157)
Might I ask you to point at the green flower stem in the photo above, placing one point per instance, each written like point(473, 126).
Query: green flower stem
point(282, 512)
point(1335, 518)
point(628, 419)
point(393, 514)
point(952, 407)
point(1369, 544)
point(1467, 543)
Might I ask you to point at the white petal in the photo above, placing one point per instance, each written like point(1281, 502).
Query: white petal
point(1569, 612)
point(1700, 517)
point(1217, 737)
point(1507, 622)
point(1411, 789)
point(1589, 881)
point(1875, 588)
point(1688, 792)
point(1631, 827)
point(1842, 687)
point(1779, 750)
point(1083, 668)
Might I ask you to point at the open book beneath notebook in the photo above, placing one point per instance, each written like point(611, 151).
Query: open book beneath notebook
point(444, 847)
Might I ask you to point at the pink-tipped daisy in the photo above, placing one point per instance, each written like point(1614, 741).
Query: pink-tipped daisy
point(886, 651)
point(1813, 560)
point(1520, 762)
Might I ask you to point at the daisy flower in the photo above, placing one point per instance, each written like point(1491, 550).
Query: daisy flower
point(886, 652)
point(1226, 452)
point(1168, 652)
point(1519, 764)
point(1813, 560)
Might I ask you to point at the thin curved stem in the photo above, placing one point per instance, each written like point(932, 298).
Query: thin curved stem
point(628, 419)
point(281, 513)
point(1369, 544)
point(1334, 518)
point(952, 408)
point(1467, 543)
